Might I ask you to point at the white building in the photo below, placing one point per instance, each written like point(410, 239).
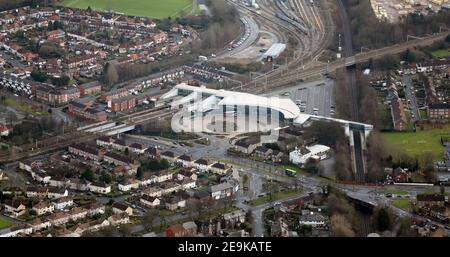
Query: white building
point(100, 188)
point(315, 220)
point(62, 203)
point(301, 156)
point(129, 185)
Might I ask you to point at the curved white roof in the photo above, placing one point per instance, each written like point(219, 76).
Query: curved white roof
point(283, 105)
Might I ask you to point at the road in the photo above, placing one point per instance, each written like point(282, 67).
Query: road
point(11, 60)
point(411, 98)
point(248, 37)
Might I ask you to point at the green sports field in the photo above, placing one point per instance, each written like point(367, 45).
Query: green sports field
point(415, 144)
point(146, 8)
point(443, 53)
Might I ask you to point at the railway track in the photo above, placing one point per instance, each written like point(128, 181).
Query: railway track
point(308, 54)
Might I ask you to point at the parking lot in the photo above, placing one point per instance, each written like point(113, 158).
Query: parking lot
point(315, 98)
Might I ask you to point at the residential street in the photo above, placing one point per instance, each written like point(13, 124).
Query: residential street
point(411, 98)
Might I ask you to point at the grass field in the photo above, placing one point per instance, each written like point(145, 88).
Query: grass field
point(415, 144)
point(443, 53)
point(146, 8)
point(403, 204)
point(11, 101)
point(4, 223)
point(396, 192)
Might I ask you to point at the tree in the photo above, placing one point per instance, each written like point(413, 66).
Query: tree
point(409, 56)
point(110, 75)
point(39, 75)
point(383, 220)
point(340, 226)
point(326, 133)
point(429, 170)
point(62, 81)
point(88, 175)
point(311, 166)
point(125, 230)
point(404, 229)
point(305, 230)
point(105, 177)
point(51, 50)
point(139, 173)
point(149, 219)
point(164, 164)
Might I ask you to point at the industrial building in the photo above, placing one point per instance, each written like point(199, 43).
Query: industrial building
point(274, 51)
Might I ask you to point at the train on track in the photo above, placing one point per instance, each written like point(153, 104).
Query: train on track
point(292, 22)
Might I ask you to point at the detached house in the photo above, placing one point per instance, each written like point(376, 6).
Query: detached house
point(176, 230)
point(40, 176)
point(59, 218)
point(100, 188)
point(94, 208)
point(163, 176)
point(137, 148)
point(120, 207)
point(54, 192)
point(221, 191)
point(169, 156)
point(129, 184)
point(185, 160)
point(43, 207)
point(219, 168)
point(201, 164)
point(186, 174)
point(119, 219)
point(78, 213)
point(62, 203)
point(175, 202)
point(153, 152)
point(149, 201)
point(40, 192)
point(37, 225)
point(58, 182)
point(262, 152)
point(79, 184)
point(15, 208)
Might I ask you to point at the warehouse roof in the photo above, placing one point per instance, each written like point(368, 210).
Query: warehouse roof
point(275, 50)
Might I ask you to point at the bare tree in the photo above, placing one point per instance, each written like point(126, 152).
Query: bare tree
point(341, 227)
point(110, 76)
point(149, 219)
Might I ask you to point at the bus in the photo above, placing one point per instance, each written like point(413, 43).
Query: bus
point(291, 173)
